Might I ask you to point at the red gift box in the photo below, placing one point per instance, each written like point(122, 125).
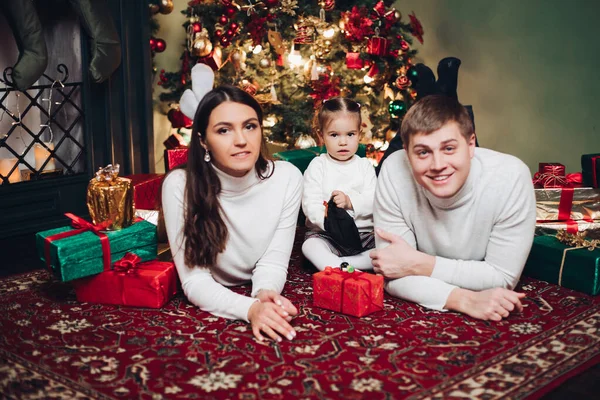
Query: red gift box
point(353, 293)
point(353, 61)
point(378, 46)
point(146, 189)
point(175, 157)
point(131, 283)
point(213, 60)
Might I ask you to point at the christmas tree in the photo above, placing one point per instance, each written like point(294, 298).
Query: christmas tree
point(292, 55)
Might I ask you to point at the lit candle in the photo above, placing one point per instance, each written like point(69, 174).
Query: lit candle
point(6, 165)
point(41, 154)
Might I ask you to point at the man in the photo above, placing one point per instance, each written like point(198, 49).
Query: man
point(454, 223)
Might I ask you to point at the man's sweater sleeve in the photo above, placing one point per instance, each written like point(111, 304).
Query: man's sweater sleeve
point(509, 245)
point(312, 196)
point(362, 202)
point(429, 292)
point(271, 269)
point(197, 282)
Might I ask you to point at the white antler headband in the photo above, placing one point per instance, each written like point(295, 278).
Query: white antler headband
point(203, 79)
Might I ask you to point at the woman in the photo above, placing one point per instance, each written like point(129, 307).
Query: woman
point(231, 215)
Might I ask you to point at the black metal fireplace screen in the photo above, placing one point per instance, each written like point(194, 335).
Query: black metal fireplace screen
point(46, 146)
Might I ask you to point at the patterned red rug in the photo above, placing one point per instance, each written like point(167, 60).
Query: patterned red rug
point(53, 347)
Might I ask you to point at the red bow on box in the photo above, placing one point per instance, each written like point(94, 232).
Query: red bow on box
point(128, 263)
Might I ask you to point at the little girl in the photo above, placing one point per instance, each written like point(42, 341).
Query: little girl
point(345, 178)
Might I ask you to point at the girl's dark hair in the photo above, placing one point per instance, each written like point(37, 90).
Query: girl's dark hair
point(204, 229)
point(331, 106)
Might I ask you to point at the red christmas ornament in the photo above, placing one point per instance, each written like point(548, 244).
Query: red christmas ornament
point(327, 5)
point(271, 3)
point(197, 26)
point(402, 82)
point(224, 41)
point(234, 26)
point(218, 33)
point(378, 46)
point(152, 43)
point(223, 19)
point(230, 11)
point(270, 17)
point(160, 46)
point(229, 33)
point(404, 45)
point(394, 53)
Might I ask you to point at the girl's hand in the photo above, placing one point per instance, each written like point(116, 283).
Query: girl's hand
point(341, 200)
point(269, 318)
point(271, 296)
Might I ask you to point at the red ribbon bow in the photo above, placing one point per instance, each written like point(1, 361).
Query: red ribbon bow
point(128, 263)
point(81, 225)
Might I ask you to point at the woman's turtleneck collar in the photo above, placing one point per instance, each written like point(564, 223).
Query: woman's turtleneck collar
point(232, 185)
point(463, 196)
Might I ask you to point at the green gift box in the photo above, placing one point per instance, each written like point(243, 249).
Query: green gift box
point(590, 169)
point(302, 157)
point(81, 254)
point(575, 268)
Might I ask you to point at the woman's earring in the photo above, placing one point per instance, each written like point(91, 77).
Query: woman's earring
point(207, 156)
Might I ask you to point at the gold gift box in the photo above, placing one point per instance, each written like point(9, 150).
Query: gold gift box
point(585, 204)
point(110, 199)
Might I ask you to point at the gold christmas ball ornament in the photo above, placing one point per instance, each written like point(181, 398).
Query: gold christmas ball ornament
point(305, 141)
point(165, 6)
point(202, 46)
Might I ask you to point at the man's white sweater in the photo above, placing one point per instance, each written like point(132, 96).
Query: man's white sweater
point(261, 218)
point(481, 236)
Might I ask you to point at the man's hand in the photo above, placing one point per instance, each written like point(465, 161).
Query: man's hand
point(491, 304)
point(341, 200)
point(271, 296)
point(269, 318)
point(399, 259)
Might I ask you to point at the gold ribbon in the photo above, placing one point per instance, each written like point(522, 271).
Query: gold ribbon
point(577, 240)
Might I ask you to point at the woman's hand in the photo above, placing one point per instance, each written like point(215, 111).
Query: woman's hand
point(341, 200)
point(269, 318)
point(271, 296)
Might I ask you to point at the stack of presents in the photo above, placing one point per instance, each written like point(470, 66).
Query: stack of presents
point(566, 247)
point(114, 258)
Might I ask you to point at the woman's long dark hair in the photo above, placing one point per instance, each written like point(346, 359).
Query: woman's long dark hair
point(204, 229)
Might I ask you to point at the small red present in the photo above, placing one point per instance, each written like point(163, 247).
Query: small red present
point(353, 61)
point(378, 46)
point(130, 283)
point(146, 189)
point(213, 60)
point(174, 141)
point(175, 157)
point(353, 293)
